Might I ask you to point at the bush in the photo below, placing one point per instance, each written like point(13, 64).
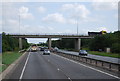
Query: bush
point(111, 40)
point(12, 44)
point(115, 48)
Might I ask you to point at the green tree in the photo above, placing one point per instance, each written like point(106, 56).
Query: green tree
point(111, 40)
point(11, 44)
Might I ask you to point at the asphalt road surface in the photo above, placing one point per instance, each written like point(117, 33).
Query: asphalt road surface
point(35, 65)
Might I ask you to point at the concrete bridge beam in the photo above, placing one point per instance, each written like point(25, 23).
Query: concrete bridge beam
point(77, 44)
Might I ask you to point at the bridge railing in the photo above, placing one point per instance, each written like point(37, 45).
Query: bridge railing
point(68, 34)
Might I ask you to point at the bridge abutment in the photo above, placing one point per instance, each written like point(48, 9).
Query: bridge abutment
point(77, 44)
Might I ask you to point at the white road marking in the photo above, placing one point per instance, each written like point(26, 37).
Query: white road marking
point(48, 60)
point(68, 78)
point(58, 69)
point(24, 67)
point(89, 67)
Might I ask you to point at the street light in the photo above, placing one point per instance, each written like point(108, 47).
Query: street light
point(19, 14)
point(19, 22)
point(77, 25)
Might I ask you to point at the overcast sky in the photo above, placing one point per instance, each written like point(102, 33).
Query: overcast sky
point(58, 17)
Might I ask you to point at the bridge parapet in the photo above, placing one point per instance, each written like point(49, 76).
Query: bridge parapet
point(50, 36)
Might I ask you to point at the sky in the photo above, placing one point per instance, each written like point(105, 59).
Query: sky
point(58, 17)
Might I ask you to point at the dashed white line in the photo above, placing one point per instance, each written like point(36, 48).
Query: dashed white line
point(89, 67)
point(23, 70)
point(68, 78)
point(48, 60)
point(58, 69)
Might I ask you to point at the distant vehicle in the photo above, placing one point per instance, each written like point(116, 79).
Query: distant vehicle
point(46, 52)
point(83, 52)
point(55, 49)
point(42, 49)
point(45, 47)
point(51, 49)
point(34, 48)
point(96, 33)
point(39, 48)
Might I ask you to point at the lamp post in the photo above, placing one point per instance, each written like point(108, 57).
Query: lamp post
point(77, 25)
point(20, 39)
point(19, 22)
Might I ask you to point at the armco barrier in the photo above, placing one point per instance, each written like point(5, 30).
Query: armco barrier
point(99, 63)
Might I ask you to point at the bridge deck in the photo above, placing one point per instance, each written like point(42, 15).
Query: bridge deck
point(50, 36)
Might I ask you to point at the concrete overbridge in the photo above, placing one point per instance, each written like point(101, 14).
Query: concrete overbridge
point(76, 37)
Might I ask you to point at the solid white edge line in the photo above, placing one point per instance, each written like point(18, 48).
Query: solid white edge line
point(23, 70)
point(89, 67)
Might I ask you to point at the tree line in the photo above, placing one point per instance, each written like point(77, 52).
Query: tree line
point(12, 44)
point(99, 42)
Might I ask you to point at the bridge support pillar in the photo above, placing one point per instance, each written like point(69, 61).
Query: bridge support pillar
point(77, 44)
point(49, 43)
point(20, 43)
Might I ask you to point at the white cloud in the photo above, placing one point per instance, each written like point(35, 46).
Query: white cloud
point(67, 6)
point(76, 12)
point(41, 9)
point(9, 10)
point(100, 29)
point(10, 26)
point(56, 17)
point(36, 30)
point(79, 10)
point(116, 16)
point(105, 5)
point(71, 21)
point(1, 22)
point(50, 28)
point(13, 22)
point(24, 13)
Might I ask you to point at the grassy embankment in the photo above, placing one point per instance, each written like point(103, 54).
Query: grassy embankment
point(0, 63)
point(105, 54)
point(8, 58)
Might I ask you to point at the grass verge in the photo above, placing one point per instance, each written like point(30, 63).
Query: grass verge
point(0, 62)
point(104, 54)
point(8, 58)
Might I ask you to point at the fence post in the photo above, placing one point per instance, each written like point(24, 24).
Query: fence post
point(102, 63)
point(96, 62)
point(109, 65)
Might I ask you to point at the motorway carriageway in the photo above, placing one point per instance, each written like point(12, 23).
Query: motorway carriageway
point(35, 65)
point(103, 58)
